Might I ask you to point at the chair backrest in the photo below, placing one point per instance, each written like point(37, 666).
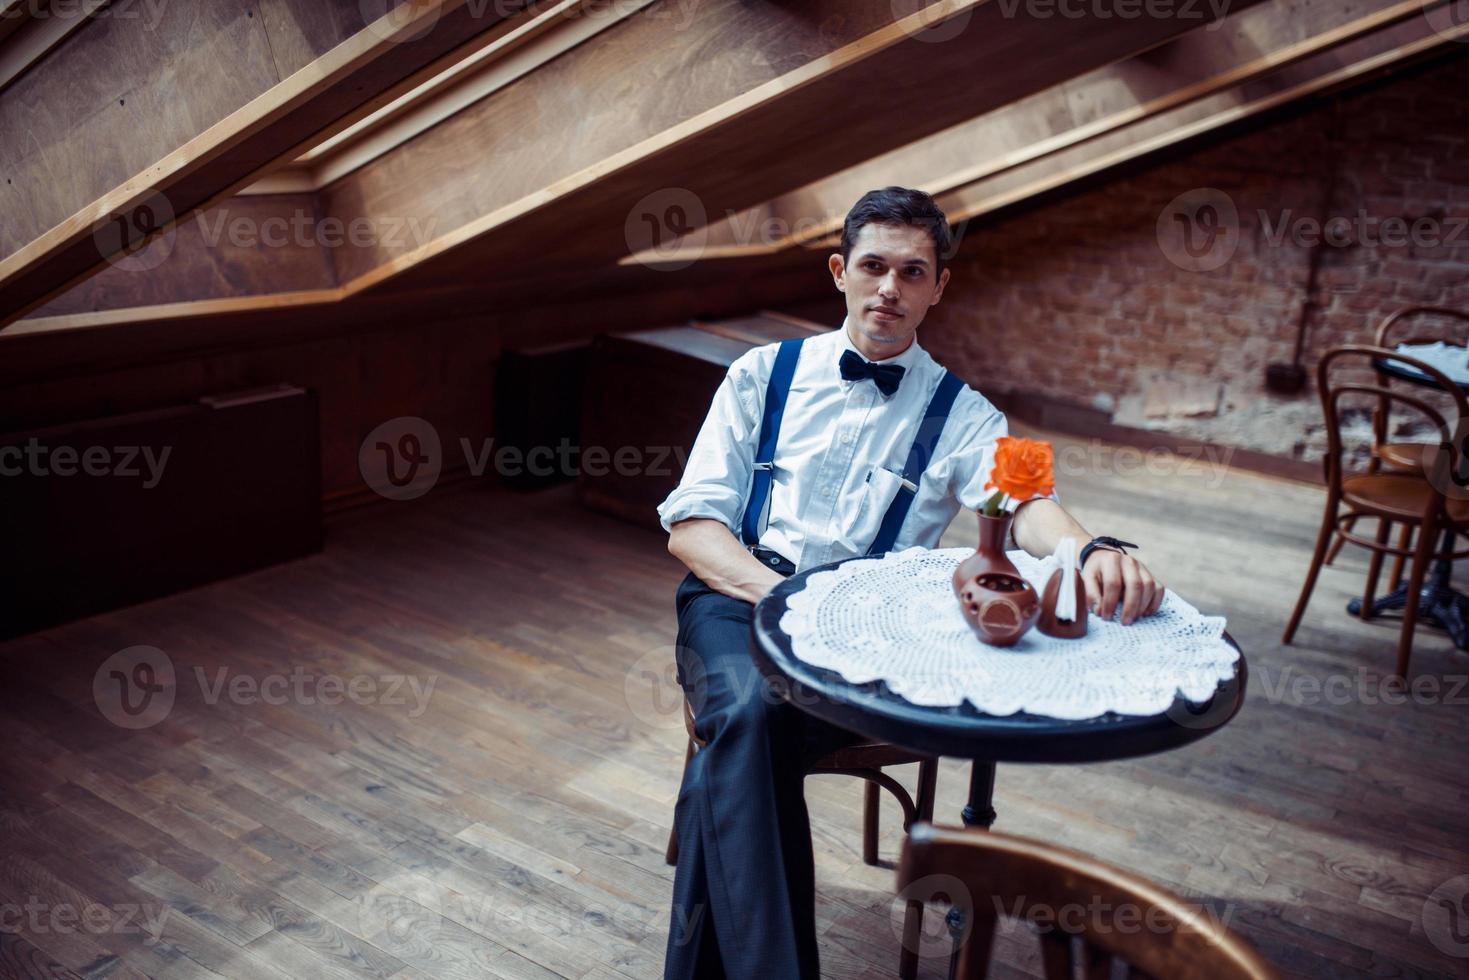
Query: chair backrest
point(1086, 913)
point(1392, 320)
point(1391, 324)
point(1446, 456)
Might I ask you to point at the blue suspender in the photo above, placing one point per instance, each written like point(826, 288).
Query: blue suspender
point(776, 392)
point(918, 458)
point(778, 389)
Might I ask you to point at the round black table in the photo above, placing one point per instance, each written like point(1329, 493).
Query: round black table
point(1439, 604)
point(1403, 373)
point(964, 732)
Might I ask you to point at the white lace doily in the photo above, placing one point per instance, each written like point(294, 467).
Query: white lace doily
point(895, 619)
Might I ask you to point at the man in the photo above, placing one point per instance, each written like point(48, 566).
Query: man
point(853, 401)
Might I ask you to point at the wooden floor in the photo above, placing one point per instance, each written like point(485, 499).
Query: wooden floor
point(513, 823)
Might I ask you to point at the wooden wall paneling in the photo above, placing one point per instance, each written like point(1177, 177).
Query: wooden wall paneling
point(118, 96)
point(171, 498)
point(1359, 60)
point(727, 147)
point(441, 371)
point(29, 29)
point(353, 79)
point(524, 46)
point(556, 305)
point(1251, 46)
point(723, 155)
point(650, 72)
point(531, 43)
point(13, 16)
point(647, 393)
point(300, 31)
point(1044, 124)
point(245, 246)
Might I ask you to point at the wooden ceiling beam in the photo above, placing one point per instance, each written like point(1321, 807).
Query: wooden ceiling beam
point(614, 298)
point(56, 346)
point(884, 90)
point(14, 14)
point(846, 104)
point(352, 80)
point(1143, 95)
point(1391, 49)
point(545, 33)
point(29, 29)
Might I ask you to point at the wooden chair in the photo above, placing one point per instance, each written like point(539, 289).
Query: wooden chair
point(1412, 499)
point(1101, 913)
point(1401, 457)
point(865, 760)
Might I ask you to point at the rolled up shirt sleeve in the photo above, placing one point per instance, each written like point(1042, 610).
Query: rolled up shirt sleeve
point(717, 477)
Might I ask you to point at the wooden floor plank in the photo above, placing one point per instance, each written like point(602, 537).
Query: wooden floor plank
point(514, 826)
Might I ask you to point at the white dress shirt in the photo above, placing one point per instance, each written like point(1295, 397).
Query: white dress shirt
point(839, 456)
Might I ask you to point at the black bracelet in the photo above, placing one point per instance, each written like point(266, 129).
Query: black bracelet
point(1111, 544)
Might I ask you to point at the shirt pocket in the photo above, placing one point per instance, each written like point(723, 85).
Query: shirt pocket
point(881, 489)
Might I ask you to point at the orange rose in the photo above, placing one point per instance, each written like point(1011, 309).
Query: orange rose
point(1022, 468)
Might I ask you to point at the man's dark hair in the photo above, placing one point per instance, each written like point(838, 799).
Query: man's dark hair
point(898, 206)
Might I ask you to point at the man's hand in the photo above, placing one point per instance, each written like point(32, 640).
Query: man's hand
point(1110, 575)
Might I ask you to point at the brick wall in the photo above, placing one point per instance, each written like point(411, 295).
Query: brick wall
point(1079, 298)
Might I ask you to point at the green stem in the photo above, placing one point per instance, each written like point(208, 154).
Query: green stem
point(994, 506)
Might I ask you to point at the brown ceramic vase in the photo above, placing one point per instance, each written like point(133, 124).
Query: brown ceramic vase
point(997, 601)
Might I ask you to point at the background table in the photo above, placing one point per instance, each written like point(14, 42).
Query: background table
point(1438, 602)
point(1404, 374)
point(962, 731)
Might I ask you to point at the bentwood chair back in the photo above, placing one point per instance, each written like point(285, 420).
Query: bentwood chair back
point(1393, 324)
point(1418, 500)
point(1406, 456)
point(1087, 914)
point(1388, 453)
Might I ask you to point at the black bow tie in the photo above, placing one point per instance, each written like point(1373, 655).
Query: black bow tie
point(887, 377)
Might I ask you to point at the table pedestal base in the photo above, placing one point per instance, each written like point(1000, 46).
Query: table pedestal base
point(1438, 603)
point(978, 812)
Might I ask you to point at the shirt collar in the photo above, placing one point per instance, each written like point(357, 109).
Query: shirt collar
point(907, 360)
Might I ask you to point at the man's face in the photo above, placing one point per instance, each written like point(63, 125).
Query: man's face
point(890, 283)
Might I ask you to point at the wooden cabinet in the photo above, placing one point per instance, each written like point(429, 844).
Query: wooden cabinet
point(646, 395)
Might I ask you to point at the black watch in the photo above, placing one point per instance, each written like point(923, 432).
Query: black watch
point(1111, 544)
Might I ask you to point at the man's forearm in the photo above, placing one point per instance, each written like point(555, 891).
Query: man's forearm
point(717, 557)
point(1041, 524)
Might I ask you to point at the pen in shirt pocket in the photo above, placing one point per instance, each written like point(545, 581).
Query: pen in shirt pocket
point(909, 484)
point(902, 481)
